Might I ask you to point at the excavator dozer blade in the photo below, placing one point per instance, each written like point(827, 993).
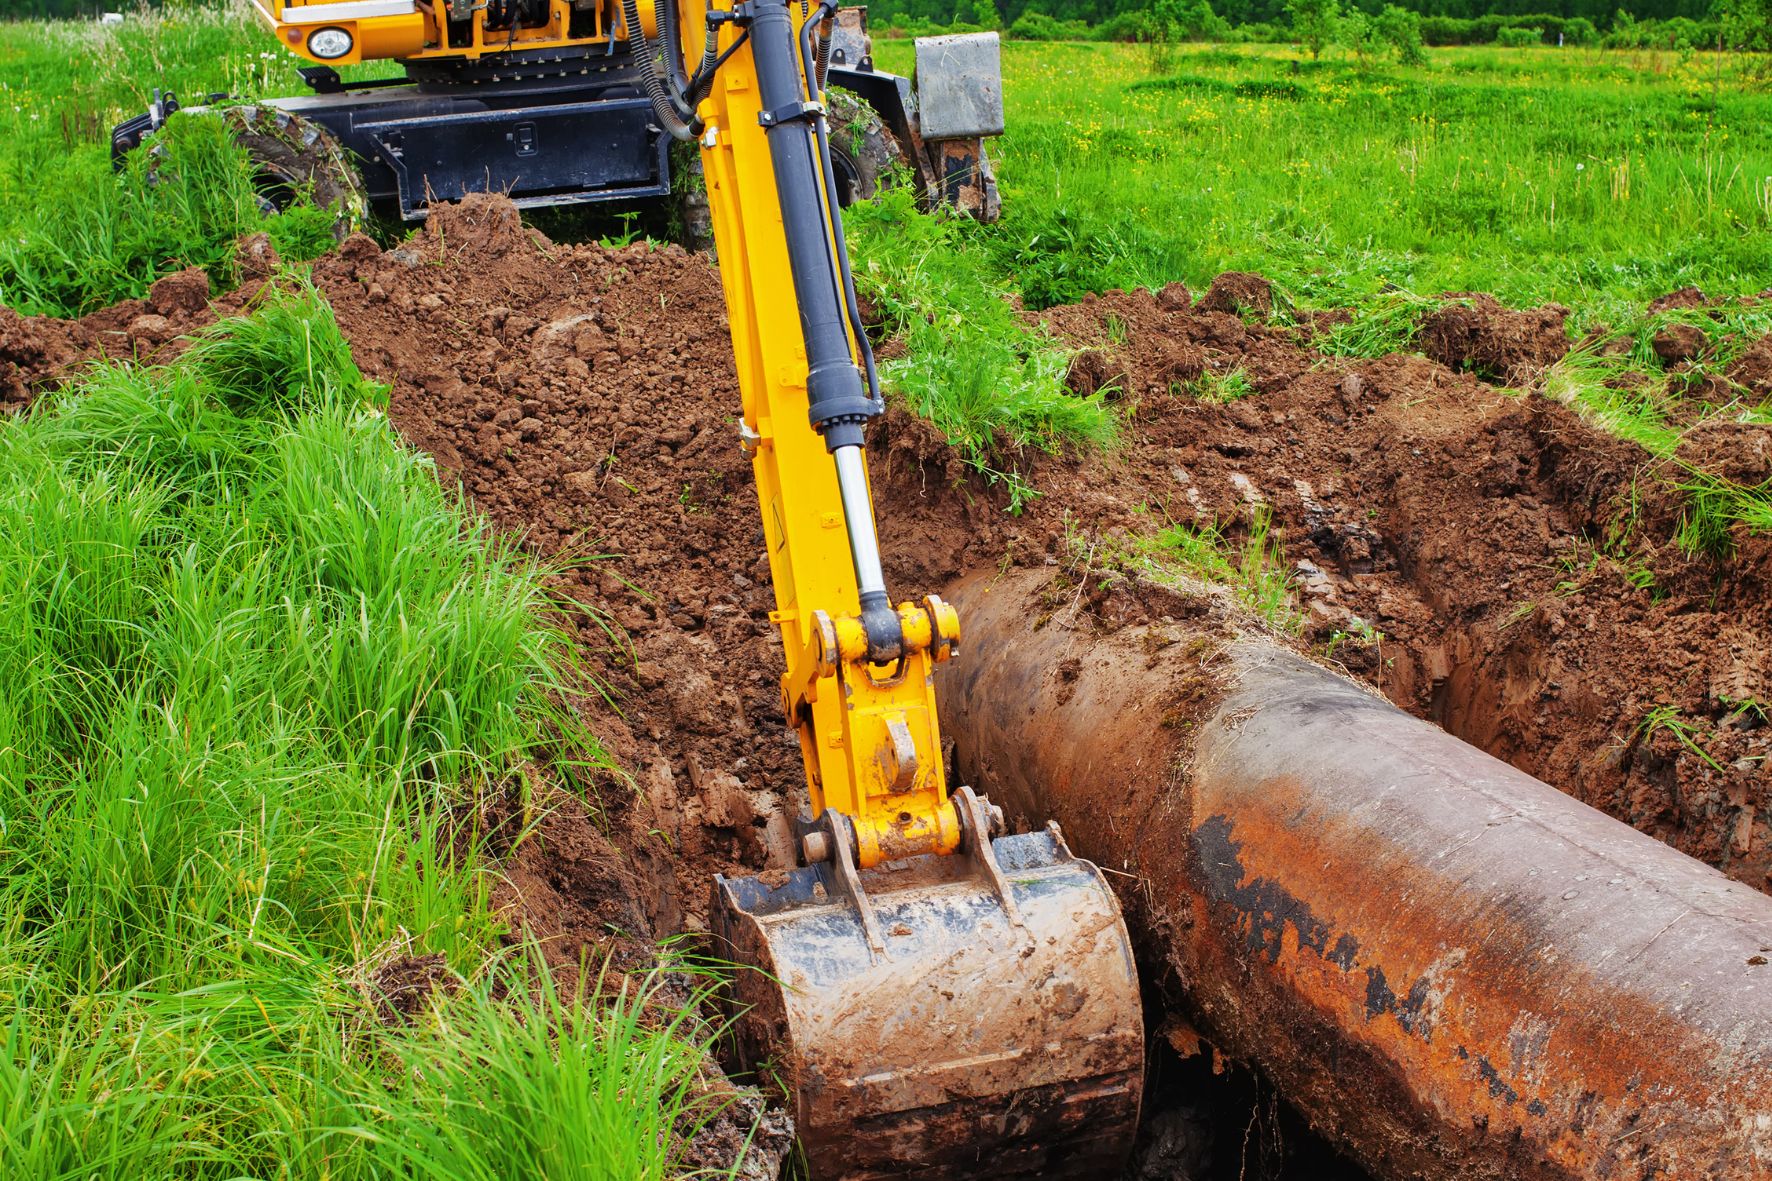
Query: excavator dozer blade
point(968, 1018)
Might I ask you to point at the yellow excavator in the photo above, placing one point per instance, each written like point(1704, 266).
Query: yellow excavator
point(935, 997)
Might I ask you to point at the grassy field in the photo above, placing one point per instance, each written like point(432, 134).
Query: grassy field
point(1597, 179)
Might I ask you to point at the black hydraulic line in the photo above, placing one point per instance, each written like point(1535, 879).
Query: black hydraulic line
point(677, 121)
point(686, 91)
point(703, 83)
point(824, 46)
point(851, 305)
point(839, 402)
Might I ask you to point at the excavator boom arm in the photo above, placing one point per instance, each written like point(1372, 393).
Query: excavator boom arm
point(859, 686)
point(941, 1004)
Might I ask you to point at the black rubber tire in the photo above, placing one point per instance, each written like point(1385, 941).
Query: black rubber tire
point(296, 158)
point(865, 154)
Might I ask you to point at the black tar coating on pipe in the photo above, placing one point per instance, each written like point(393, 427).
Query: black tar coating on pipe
point(1264, 907)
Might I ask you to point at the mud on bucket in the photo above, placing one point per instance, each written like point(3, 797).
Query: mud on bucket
point(942, 1017)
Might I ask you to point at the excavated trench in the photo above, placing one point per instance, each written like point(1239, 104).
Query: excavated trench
point(1448, 543)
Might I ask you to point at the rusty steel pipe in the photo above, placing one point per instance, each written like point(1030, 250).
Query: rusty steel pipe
point(1452, 969)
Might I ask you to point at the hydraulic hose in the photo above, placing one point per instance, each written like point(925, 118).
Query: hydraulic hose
point(687, 90)
point(839, 401)
point(824, 49)
point(678, 121)
point(702, 84)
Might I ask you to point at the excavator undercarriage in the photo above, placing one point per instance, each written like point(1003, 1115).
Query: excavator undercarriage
point(570, 123)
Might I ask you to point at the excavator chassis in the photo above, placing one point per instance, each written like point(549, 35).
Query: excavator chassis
point(942, 1017)
point(572, 126)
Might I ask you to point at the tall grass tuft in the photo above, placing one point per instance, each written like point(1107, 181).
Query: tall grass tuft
point(1254, 569)
point(74, 235)
point(258, 669)
point(992, 382)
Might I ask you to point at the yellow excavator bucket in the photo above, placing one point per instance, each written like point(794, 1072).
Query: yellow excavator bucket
point(960, 1016)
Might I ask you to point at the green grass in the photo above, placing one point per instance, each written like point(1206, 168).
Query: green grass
point(1600, 179)
point(1382, 325)
point(1230, 386)
point(990, 379)
point(1667, 718)
point(75, 237)
point(1253, 568)
point(1597, 179)
point(259, 671)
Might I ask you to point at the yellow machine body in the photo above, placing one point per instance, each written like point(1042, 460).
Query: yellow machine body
point(940, 1004)
point(416, 30)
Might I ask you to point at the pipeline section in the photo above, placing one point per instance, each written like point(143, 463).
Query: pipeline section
point(1451, 968)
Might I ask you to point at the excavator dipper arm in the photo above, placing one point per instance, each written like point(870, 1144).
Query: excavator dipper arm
point(935, 1002)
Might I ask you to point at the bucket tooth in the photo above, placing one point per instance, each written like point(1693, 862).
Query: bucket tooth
point(975, 1045)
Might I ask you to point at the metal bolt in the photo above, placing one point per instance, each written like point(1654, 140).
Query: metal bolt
point(815, 847)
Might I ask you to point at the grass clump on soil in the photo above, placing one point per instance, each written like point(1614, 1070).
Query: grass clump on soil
point(258, 673)
point(76, 236)
point(1253, 568)
point(991, 381)
point(1232, 385)
point(1631, 406)
point(1618, 381)
point(181, 203)
point(1383, 325)
point(1714, 507)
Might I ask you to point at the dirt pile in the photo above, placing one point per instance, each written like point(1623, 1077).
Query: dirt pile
point(1473, 331)
point(585, 399)
point(1461, 547)
point(36, 351)
point(1451, 542)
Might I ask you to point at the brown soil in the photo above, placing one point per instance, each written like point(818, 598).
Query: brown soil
point(1468, 525)
point(1475, 332)
point(1679, 343)
point(1752, 371)
point(1237, 292)
point(583, 398)
point(1446, 534)
point(36, 351)
point(1449, 538)
point(1684, 297)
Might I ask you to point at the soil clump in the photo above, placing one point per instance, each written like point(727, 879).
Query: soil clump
point(1473, 331)
point(1488, 560)
point(38, 352)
